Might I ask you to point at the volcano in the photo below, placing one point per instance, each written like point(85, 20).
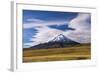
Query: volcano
point(60, 41)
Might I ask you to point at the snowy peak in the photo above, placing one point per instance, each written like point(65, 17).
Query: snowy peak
point(62, 38)
point(59, 38)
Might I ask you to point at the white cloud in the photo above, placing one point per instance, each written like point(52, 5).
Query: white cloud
point(38, 23)
point(82, 32)
point(43, 35)
point(34, 20)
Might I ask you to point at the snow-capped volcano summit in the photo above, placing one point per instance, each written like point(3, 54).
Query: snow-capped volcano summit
point(61, 38)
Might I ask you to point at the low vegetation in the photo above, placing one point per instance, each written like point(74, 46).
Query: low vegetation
point(77, 52)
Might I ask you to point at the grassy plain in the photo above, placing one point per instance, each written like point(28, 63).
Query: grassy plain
point(78, 52)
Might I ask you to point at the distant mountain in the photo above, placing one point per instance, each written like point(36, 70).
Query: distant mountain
point(60, 41)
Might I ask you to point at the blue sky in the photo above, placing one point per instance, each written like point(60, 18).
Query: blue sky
point(47, 15)
point(36, 25)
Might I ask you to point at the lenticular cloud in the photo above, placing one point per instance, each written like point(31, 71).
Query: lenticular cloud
point(82, 26)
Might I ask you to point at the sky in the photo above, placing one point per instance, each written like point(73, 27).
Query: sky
point(41, 26)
